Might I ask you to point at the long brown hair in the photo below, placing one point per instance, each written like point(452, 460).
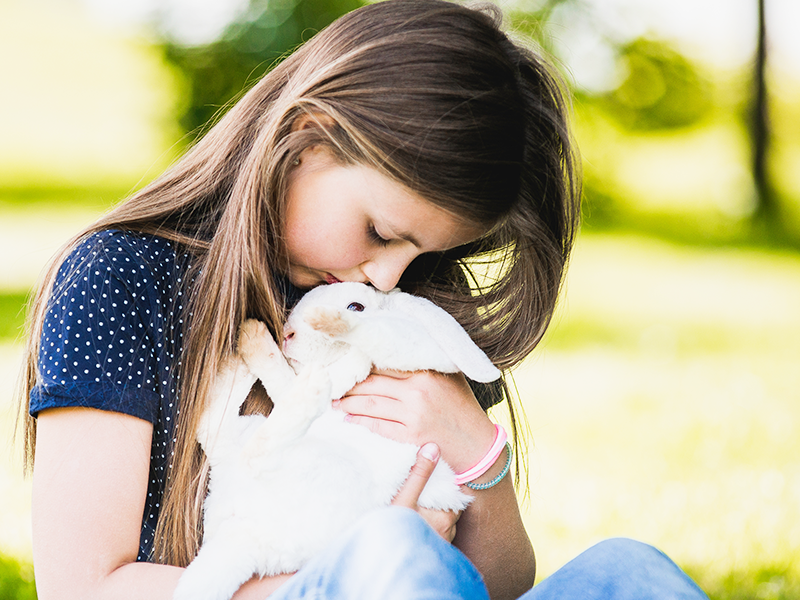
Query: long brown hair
point(430, 93)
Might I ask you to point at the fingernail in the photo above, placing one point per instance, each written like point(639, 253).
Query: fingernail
point(348, 417)
point(430, 451)
point(336, 403)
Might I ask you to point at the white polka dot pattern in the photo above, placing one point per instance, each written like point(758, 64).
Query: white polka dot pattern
point(112, 340)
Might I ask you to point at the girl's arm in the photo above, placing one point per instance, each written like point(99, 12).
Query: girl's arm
point(422, 407)
point(491, 533)
point(89, 486)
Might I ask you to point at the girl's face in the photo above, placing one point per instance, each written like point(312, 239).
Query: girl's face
point(351, 223)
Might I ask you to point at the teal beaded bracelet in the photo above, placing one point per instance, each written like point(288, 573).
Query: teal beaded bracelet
point(496, 480)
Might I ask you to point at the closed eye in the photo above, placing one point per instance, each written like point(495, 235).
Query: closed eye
point(376, 237)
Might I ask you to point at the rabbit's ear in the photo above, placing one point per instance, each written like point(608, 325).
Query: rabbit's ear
point(448, 333)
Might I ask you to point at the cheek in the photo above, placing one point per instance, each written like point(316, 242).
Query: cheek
point(306, 237)
point(298, 235)
point(340, 252)
point(320, 244)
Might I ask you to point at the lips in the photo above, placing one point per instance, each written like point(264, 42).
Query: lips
point(331, 279)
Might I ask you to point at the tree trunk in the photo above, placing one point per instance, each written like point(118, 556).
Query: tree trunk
point(766, 210)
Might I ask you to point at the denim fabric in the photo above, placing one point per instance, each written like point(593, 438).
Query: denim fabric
point(392, 554)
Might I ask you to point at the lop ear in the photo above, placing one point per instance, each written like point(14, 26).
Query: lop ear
point(449, 334)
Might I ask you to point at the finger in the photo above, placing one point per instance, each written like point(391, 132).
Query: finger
point(385, 428)
point(384, 397)
point(418, 385)
point(427, 457)
point(377, 407)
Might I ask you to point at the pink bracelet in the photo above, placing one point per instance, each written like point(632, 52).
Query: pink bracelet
point(488, 460)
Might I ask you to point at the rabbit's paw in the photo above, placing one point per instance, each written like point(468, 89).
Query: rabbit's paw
point(264, 357)
point(256, 342)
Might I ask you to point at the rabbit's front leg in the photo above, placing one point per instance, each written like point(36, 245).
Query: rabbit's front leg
point(218, 421)
point(265, 360)
point(309, 396)
point(297, 399)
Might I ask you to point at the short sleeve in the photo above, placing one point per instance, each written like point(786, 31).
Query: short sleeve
point(97, 349)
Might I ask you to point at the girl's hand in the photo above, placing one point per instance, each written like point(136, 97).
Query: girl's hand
point(442, 521)
point(423, 407)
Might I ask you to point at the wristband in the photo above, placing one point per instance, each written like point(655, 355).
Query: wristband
point(496, 480)
point(487, 461)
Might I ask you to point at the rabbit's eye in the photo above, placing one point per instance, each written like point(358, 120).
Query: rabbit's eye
point(355, 307)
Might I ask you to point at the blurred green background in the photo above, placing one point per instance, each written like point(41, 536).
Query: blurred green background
point(663, 404)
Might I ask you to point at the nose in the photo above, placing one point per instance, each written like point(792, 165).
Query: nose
point(384, 271)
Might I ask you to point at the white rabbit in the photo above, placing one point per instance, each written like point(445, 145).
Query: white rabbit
point(281, 488)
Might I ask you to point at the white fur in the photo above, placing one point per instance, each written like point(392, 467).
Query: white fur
point(283, 487)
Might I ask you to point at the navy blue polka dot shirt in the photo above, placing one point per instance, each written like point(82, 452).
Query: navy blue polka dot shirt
point(112, 339)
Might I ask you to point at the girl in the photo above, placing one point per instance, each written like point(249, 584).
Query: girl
point(402, 145)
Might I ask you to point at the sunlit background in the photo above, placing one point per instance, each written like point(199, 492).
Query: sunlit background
point(663, 405)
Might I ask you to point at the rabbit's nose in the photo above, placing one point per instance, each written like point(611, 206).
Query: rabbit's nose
point(288, 336)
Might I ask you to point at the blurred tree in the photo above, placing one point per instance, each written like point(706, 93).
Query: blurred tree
point(767, 210)
point(264, 34)
point(656, 86)
point(661, 89)
point(649, 85)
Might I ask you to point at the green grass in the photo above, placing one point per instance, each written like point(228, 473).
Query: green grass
point(62, 196)
point(757, 583)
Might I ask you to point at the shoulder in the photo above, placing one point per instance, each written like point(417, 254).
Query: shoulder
point(121, 246)
point(124, 256)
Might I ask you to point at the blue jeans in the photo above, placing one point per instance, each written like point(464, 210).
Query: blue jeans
point(392, 554)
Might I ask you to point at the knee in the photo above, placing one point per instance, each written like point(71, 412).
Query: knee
point(624, 556)
point(638, 569)
point(623, 550)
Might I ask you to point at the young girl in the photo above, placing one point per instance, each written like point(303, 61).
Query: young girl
point(402, 145)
